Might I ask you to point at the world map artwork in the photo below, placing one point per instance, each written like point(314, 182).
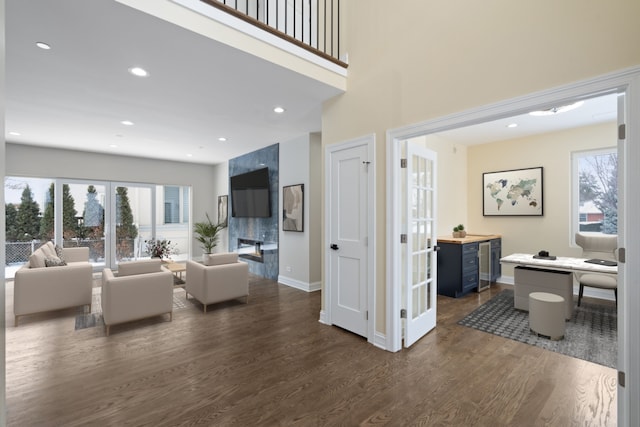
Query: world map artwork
point(512, 193)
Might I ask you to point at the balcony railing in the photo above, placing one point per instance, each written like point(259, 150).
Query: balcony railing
point(313, 25)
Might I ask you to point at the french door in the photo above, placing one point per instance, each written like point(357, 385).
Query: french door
point(420, 276)
point(112, 219)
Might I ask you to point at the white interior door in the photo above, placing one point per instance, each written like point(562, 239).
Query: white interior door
point(420, 256)
point(348, 229)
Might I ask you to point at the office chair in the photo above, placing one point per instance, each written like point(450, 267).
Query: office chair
point(601, 247)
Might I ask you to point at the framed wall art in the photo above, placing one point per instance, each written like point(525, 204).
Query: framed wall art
point(293, 207)
point(223, 209)
point(515, 192)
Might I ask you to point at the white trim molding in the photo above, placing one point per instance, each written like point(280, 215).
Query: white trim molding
point(299, 284)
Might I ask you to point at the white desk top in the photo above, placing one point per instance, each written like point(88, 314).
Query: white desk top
point(560, 263)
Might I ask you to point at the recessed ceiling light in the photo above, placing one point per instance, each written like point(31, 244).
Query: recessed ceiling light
point(113, 145)
point(15, 133)
point(512, 125)
point(43, 45)
point(279, 110)
point(222, 139)
point(557, 110)
point(127, 123)
point(189, 155)
point(139, 72)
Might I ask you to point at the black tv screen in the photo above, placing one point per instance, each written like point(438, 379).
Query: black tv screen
point(250, 194)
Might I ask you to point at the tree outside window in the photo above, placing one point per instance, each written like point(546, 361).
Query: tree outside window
point(598, 191)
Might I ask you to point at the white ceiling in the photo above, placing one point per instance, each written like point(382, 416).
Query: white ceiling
point(75, 95)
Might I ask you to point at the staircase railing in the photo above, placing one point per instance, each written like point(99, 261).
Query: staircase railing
point(313, 25)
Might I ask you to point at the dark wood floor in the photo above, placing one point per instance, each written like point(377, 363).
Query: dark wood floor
point(271, 363)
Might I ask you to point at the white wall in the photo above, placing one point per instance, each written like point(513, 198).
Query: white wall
point(299, 260)
point(552, 151)
point(220, 188)
point(466, 58)
point(39, 162)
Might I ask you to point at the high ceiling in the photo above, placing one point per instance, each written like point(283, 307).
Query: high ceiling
point(76, 94)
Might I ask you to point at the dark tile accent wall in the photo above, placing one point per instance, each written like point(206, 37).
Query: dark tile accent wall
point(263, 229)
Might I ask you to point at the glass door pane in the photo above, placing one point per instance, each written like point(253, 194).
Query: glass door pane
point(133, 221)
point(83, 219)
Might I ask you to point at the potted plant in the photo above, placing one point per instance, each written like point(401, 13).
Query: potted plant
point(459, 231)
point(160, 248)
point(207, 234)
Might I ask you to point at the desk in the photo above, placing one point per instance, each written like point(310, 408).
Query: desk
point(561, 263)
point(551, 276)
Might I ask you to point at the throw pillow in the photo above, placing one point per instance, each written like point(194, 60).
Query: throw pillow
point(48, 250)
point(36, 260)
point(59, 253)
point(54, 262)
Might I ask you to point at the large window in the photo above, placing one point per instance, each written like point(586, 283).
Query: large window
point(82, 213)
point(595, 190)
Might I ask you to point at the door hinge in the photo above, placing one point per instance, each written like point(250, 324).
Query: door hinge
point(403, 313)
point(403, 238)
point(621, 378)
point(622, 131)
point(403, 163)
point(622, 255)
point(366, 315)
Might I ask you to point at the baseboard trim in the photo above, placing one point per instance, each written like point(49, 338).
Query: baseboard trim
point(298, 284)
point(323, 318)
point(380, 340)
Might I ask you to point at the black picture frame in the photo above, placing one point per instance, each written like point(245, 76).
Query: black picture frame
point(293, 208)
point(516, 192)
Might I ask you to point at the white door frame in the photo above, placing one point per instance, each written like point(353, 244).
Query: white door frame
point(627, 80)
point(325, 315)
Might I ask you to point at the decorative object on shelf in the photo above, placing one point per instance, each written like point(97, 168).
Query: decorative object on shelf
point(161, 248)
point(459, 231)
point(207, 234)
point(223, 209)
point(512, 193)
point(293, 207)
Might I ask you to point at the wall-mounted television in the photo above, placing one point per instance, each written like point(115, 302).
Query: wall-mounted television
point(250, 194)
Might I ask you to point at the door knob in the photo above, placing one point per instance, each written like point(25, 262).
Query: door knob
point(334, 247)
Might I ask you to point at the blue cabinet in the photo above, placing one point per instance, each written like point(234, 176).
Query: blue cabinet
point(458, 265)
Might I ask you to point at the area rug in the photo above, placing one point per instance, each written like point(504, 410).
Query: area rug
point(591, 334)
point(90, 320)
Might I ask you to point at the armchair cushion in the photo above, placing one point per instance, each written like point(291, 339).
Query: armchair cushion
point(145, 266)
point(221, 258)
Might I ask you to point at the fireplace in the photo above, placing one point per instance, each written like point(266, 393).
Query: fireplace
point(250, 249)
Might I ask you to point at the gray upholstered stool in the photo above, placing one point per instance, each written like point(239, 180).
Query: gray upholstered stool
point(546, 314)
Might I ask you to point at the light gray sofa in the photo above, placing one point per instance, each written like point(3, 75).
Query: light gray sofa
point(225, 279)
point(38, 288)
point(141, 289)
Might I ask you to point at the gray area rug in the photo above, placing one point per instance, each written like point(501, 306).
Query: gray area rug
point(591, 334)
point(90, 320)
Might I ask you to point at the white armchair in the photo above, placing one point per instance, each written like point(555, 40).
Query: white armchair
point(141, 289)
point(226, 279)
